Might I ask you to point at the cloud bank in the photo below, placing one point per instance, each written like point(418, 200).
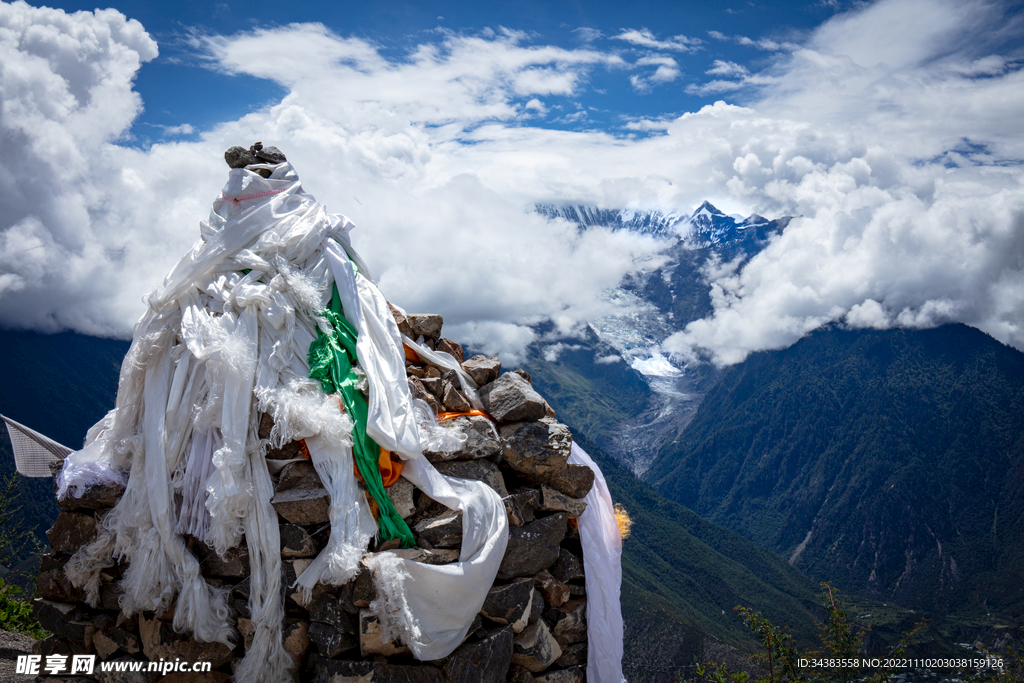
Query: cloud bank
point(903, 163)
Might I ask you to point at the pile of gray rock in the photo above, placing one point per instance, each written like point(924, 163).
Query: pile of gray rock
point(532, 627)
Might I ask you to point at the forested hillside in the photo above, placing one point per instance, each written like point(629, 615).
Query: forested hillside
point(891, 462)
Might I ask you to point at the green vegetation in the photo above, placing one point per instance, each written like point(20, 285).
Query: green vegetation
point(839, 659)
point(15, 538)
point(888, 461)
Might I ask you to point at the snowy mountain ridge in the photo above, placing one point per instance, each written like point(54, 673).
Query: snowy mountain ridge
point(705, 227)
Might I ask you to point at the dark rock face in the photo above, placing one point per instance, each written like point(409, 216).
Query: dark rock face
point(71, 531)
point(484, 662)
point(508, 604)
point(533, 547)
point(239, 157)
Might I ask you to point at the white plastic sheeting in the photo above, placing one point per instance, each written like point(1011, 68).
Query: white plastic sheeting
point(602, 552)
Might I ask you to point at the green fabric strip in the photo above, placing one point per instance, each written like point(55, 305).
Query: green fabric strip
point(331, 361)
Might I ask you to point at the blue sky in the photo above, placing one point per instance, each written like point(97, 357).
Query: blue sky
point(398, 27)
point(889, 129)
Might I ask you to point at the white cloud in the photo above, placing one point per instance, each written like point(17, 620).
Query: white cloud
point(904, 171)
point(667, 71)
point(644, 38)
point(724, 68)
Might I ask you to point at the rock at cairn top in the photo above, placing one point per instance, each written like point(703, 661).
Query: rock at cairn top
point(240, 157)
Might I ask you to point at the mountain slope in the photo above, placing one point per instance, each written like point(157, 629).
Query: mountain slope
point(60, 385)
point(889, 461)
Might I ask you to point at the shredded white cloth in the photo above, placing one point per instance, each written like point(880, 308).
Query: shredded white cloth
point(602, 552)
point(225, 338)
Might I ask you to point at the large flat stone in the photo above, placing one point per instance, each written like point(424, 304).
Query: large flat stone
point(443, 531)
point(480, 470)
point(533, 547)
point(486, 661)
point(509, 603)
point(303, 507)
point(70, 531)
point(482, 370)
point(96, 498)
point(535, 649)
point(536, 449)
point(510, 398)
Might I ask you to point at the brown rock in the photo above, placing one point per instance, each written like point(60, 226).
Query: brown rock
point(431, 556)
point(568, 622)
point(331, 641)
point(296, 638)
point(426, 325)
point(296, 542)
point(412, 370)
point(443, 531)
point(70, 531)
point(246, 629)
point(160, 641)
point(479, 470)
point(371, 637)
point(435, 385)
point(573, 655)
point(510, 398)
point(195, 677)
point(363, 590)
point(536, 449)
point(339, 671)
point(555, 592)
point(520, 506)
point(303, 506)
point(95, 498)
point(574, 481)
point(535, 648)
point(53, 584)
point(568, 567)
point(401, 321)
point(482, 370)
point(299, 475)
point(524, 374)
point(517, 674)
point(234, 563)
point(418, 390)
point(451, 348)
point(533, 547)
point(482, 440)
point(575, 674)
point(454, 400)
point(556, 501)
point(401, 497)
point(509, 604)
point(486, 661)
point(432, 372)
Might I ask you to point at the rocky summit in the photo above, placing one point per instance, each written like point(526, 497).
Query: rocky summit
point(532, 626)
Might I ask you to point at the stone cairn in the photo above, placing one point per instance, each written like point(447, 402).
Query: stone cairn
point(532, 626)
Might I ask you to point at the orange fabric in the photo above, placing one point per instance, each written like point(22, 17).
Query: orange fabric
point(441, 417)
point(410, 354)
point(390, 468)
point(303, 451)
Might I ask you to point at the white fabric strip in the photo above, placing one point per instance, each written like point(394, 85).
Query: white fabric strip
point(431, 607)
point(602, 552)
